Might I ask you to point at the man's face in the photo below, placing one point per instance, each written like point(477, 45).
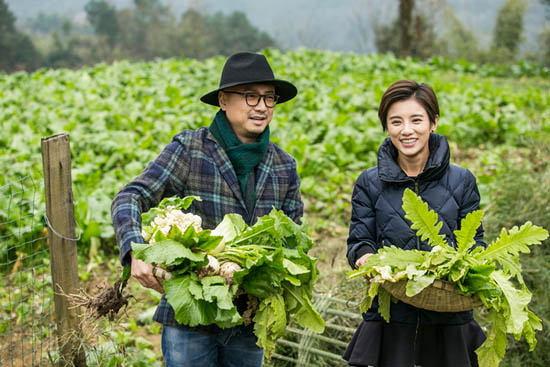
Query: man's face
point(247, 122)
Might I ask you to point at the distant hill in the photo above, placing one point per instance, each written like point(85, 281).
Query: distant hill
point(324, 24)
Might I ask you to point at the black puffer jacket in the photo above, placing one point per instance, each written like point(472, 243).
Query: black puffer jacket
point(378, 220)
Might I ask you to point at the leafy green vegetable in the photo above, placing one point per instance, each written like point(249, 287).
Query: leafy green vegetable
point(486, 273)
point(169, 253)
point(201, 303)
point(230, 227)
point(306, 315)
point(270, 322)
point(272, 262)
point(424, 221)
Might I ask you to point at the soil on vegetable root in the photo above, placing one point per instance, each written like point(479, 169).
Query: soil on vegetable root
point(108, 302)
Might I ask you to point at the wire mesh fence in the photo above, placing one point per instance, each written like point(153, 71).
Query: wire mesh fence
point(29, 308)
point(27, 320)
point(27, 328)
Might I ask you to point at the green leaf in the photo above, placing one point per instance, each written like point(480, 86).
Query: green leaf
point(196, 303)
point(417, 284)
point(370, 292)
point(216, 291)
point(275, 229)
point(514, 242)
point(474, 283)
point(482, 269)
point(293, 280)
point(424, 221)
point(384, 301)
point(511, 266)
point(306, 316)
point(177, 202)
point(228, 318)
point(261, 282)
point(517, 301)
point(270, 322)
point(202, 240)
point(468, 228)
point(294, 268)
point(212, 280)
point(230, 227)
point(529, 329)
point(391, 256)
point(262, 276)
point(304, 261)
point(397, 257)
point(205, 240)
point(491, 352)
point(437, 257)
point(168, 253)
point(184, 296)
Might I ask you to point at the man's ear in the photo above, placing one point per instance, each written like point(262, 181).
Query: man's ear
point(222, 100)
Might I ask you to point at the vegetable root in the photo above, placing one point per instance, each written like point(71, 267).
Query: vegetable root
point(107, 303)
point(212, 268)
point(227, 269)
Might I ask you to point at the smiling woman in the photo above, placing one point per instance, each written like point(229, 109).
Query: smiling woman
point(412, 157)
point(410, 118)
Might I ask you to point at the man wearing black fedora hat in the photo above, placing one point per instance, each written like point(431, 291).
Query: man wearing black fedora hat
point(234, 168)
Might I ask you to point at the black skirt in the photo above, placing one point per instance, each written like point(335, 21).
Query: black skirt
point(379, 344)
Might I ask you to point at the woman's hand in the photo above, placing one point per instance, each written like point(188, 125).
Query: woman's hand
point(143, 273)
point(362, 260)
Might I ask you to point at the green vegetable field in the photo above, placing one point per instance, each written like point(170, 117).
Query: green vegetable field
point(120, 116)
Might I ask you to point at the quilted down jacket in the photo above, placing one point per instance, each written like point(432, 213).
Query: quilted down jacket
point(378, 220)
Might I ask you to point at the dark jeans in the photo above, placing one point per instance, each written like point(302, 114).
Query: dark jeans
point(235, 347)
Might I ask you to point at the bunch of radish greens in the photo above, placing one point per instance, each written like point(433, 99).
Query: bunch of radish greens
point(489, 273)
point(268, 261)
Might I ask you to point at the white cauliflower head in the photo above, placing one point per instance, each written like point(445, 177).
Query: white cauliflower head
point(164, 222)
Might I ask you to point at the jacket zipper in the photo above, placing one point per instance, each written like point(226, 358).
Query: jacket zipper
point(416, 192)
point(418, 248)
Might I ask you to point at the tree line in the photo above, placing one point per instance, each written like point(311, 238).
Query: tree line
point(145, 31)
point(148, 29)
point(415, 32)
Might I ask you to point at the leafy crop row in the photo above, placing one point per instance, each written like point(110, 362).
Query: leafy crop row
point(120, 116)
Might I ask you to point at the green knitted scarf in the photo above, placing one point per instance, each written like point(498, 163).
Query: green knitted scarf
point(243, 157)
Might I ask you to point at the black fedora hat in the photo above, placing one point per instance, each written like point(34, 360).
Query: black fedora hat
point(248, 68)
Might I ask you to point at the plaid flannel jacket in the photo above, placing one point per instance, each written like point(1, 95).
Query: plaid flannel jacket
point(195, 164)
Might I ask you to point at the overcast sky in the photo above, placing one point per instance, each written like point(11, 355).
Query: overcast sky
point(326, 24)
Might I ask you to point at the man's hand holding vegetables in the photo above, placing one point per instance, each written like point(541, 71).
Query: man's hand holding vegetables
point(143, 273)
point(234, 168)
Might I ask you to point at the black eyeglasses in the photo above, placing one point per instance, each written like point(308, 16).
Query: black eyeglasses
point(252, 99)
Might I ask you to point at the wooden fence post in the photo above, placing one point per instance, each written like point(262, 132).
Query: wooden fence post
point(56, 161)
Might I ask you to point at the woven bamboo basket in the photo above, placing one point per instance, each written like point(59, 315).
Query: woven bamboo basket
point(440, 296)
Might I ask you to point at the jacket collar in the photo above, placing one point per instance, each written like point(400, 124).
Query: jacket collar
point(438, 161)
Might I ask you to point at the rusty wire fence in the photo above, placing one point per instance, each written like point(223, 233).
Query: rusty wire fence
point(27, 328)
